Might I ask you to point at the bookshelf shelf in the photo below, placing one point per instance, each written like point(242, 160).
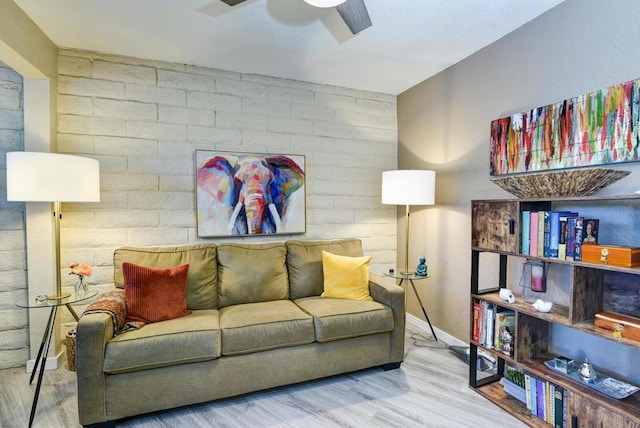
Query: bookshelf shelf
point(497, 229)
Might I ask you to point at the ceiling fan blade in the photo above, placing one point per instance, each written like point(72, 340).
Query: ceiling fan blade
point(355, 15)
point(232, 2)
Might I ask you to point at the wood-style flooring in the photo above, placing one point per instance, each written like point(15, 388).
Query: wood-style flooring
point(429, 390)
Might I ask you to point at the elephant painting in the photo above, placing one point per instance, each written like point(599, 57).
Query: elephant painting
point(249, 194)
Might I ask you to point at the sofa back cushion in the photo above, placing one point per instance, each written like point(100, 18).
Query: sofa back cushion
point(251, 273)
point(304, 260)
point(202, 278)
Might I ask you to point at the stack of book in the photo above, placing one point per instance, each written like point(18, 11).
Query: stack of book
point(494, 326)
point(557, 234)
point(546, 400)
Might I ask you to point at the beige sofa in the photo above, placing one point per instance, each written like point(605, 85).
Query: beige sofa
point(257, 322)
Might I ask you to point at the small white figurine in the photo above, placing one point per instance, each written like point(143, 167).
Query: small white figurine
point(542, 306)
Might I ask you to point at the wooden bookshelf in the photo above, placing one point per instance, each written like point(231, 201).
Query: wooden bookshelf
point(496, 230)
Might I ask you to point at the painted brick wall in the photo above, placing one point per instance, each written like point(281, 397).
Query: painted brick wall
point(143, 120)
point(14, 334)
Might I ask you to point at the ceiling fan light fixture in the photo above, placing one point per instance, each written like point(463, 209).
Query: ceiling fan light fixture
point(325, 3)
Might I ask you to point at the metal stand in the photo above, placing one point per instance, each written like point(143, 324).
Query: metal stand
point(424, 311)
point(41, 360)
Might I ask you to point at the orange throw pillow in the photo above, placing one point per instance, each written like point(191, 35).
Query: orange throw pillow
point(153, 295)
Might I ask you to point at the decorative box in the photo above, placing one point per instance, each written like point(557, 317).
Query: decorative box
point(618, 325)
point(611, 255)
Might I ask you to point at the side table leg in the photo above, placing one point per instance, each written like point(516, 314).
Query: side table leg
point(45, 334)
point(43, 361)
point(73, 312)
point(424, 311)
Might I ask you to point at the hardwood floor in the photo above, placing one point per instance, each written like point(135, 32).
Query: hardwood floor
point(429, 390)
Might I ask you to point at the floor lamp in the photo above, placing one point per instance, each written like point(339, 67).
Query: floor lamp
point(55, 178)
point(408, 187)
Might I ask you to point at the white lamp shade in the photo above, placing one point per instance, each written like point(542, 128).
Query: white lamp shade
point(409, 187)
point(325, 3)
point(52, 177)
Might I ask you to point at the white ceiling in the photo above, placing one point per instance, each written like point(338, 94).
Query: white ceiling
point(410, 40)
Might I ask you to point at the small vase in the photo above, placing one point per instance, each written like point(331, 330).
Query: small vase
point(81, 287)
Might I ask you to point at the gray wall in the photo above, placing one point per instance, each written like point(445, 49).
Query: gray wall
point(443, 124)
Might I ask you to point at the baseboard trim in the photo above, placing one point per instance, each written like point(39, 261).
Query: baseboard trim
point(52, 362)
point(443, 336)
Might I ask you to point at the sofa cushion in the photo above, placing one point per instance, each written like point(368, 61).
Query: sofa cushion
point(304, 261)
point(345, 277)
point(250, 273)
point(154, 295)
point(336, 319)
point(261, 326)
point(202, 279)
point(192, 338)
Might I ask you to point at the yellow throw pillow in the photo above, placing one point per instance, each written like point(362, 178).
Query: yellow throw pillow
point(346, 277)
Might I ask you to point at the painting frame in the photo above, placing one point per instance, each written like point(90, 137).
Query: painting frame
point(243, 194)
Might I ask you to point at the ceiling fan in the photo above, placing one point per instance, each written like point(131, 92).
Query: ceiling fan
point(353, 12)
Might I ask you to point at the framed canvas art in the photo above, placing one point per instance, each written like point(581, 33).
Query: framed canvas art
point(598, 128)
point(249, 194)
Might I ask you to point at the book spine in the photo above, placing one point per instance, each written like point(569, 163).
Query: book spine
point(562, 244)
point(571, 237)
point(476, 326)
point(491, 312)
point(527, 390)
point(534, 396)
point(546, 245)
point(540, 233)
point(526, 227)
point(577, 252)
point(533, 234)
point(554, 234)
point(551, 403)
point(483, 317)
point(558, 414)
point(540, 398)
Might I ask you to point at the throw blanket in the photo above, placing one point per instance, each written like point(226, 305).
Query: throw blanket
point(113, 303)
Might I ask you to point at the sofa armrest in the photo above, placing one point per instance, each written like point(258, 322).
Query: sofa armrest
point(388, 293)
point(93, 333)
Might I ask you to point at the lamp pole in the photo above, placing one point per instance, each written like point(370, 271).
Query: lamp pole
point(406, 242)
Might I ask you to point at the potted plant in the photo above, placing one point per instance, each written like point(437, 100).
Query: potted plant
point(513, 383)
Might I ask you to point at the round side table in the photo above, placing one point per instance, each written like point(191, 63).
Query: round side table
point(41, 359)
point(410, 279)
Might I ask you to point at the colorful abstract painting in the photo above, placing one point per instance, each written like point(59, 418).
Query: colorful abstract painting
point(598, 128)
point(249, 194)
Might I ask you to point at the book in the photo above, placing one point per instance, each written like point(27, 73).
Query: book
point(481, 322)
point(577, 250)
point(571, 237)
point(554, 234)
point(562, 243)
point(525, 227)
point(533, 234)
point(551, 403)
point(504, 331)
point(590, 228)
point(546, 240)
point(476, 325)
point(534, 395)
point(527, 389)
point(541, 233)
point(541, 399)
point(490, 318)
point(558, 417)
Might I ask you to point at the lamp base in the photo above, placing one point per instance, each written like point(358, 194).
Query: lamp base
point(58, 296)
point(406, 273)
